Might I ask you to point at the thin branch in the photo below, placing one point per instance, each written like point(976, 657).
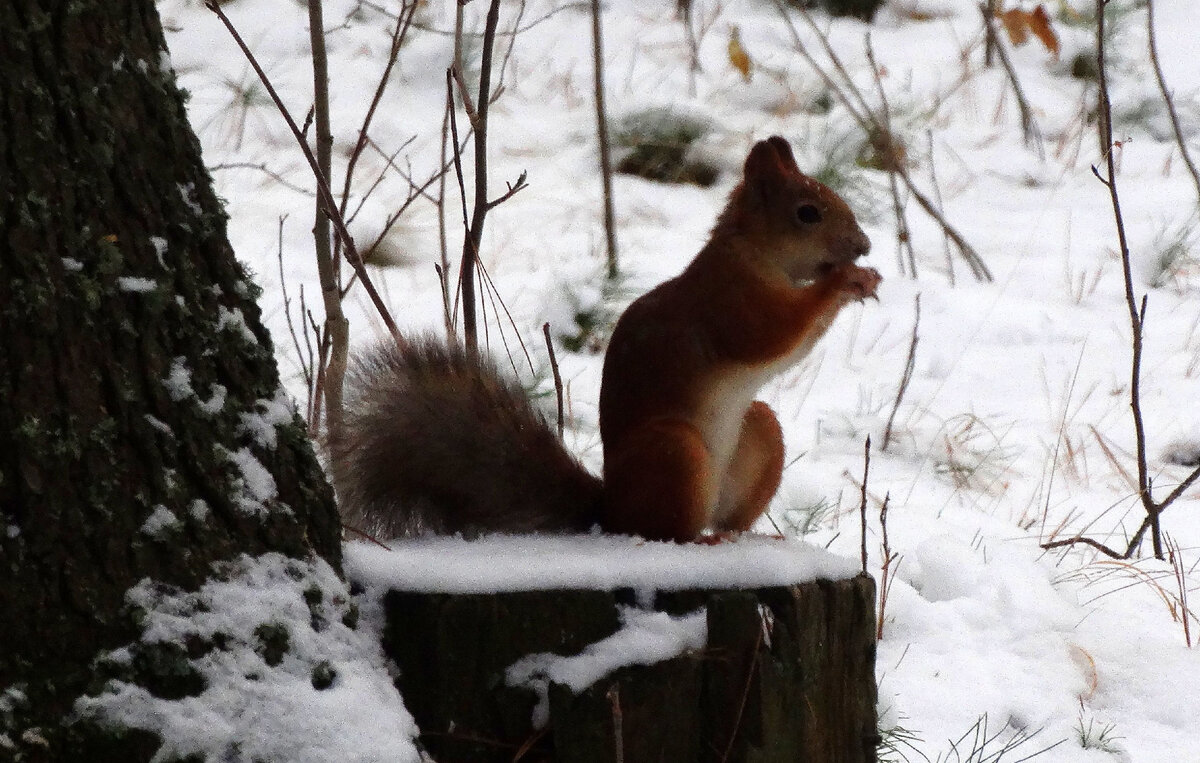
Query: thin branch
point(323, 191)
point(1078, 539)
point(262, 167)
point(887, 573)
point(513, 188)
point(610, 225)
point(1131, 302)
point(1178, 491)
point(871, 124)
point(891, 157)
point(456, 70)
point(471, 244)
point(1029, 129)
point(906, 377)
point(306, 369)
point(937, 197)
point(389, 163)
point(403, 22)
point(1166, 94)
point(558, 386)
point(862, 506)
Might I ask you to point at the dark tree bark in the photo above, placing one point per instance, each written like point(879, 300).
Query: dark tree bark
point(136, 378)
point(788, 675)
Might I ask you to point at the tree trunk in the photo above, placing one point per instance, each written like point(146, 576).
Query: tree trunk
point(142, 426)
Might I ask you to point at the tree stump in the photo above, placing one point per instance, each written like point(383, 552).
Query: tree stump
point(787, 675)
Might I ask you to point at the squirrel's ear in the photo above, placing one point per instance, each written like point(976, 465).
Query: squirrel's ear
point(785, 151)
point(764, 163)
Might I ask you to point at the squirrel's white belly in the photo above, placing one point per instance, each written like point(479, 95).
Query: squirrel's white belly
point(724, 407)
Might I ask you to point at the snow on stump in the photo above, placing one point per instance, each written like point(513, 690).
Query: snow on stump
point(600, 648)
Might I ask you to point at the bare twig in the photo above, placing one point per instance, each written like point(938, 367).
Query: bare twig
point(1166, 94)
point(470, 252)
point(906, 377)
point(937, 197)
point(456, 71)
point(263, 168)
point(862, 506)
point(365, 536)
point(558, 385)
point(1029, 129)
point(517, 29)
point(323, 192)
point(1136, 316)
point(887, 572)
point(443, 248)
point(890, 157)
point(1079, 539)
point(306, 369)
point(873, 125)
point(610, 232)
point(403, 22)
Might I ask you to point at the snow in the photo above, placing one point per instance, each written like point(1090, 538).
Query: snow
point(179, 380)
point(160, 249)
point(601, 562)
point(643, 639)
point(233, 320)
point(161, 522)
point(267, 415)
point(215, 402)
point(249, 709)
point(136, 285)
point(254, 489)
point(1015, 428)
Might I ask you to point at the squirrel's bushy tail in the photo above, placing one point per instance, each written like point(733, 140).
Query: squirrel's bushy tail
point(434, 440)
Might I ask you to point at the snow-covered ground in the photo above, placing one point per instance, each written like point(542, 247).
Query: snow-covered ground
point(1015, 428)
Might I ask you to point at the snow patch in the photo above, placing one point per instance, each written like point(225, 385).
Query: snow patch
point(136, 285)
point(603, 562)
point(233, 320)
point(161, 522)
point(644, 638)
point(179, 380)
point(215, 402)
point(268, 414)
point(254, 487)
point(160, 249)
point(187, 192)
point(249, 709)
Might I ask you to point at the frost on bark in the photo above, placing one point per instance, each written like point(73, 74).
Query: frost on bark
point(142, 428)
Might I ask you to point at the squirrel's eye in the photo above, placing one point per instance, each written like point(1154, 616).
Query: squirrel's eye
point(808, 214)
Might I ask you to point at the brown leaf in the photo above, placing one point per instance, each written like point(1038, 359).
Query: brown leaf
point(1016, 23)
point(1039, 24)
point(738, 57)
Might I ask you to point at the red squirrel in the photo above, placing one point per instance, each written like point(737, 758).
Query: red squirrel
point(437, 440)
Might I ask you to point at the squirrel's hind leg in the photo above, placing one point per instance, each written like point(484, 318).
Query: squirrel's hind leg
point(658, 483)
point(755, 472)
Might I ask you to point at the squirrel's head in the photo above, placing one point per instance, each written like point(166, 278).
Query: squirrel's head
point(788, 220)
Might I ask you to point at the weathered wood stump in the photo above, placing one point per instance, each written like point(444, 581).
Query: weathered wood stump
point(787, 675)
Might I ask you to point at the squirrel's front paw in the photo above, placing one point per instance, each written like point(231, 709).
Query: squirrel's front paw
point(856, 282)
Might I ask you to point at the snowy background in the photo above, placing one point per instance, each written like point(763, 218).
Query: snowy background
point(1015, 428)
